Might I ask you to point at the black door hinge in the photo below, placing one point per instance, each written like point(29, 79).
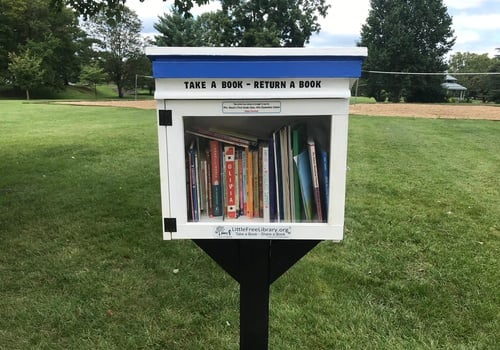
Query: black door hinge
point(170, 224)
point(165, 117)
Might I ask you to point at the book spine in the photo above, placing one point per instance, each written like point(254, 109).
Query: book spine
point(266, 211)
point(204, 186)
point(210, 212)
point(241, 187)
point(315, 177)
point(237, 161)
point(221, 137)
point(290, 172)
point(279, 180)
point(249, 187)
point(298, 144)
point(272, 182)
point(324, 182)
point(261, 180)
point(306, 188)
point(229, 155)
point(215, 158)
point(285, 173)
point(244, 187)
point(255, 178)
point(193, 183)
point(198, 181)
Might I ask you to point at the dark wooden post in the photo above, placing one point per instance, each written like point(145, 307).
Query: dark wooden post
point(255, 264)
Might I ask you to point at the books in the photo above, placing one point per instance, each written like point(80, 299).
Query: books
point(305, 182)
point(311, 147)
point(215, 161)
point(282, 178)
point(230, 202)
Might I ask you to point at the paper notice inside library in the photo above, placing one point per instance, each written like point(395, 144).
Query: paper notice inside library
point(251, 107)
point(247, 232)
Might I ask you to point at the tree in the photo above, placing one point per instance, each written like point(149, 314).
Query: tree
point(245, 23)
point(90, 8)
point(119, 41)
point(92, 74)
point(494, 80)
point(176, 30)
point(466, 62)
point(287, 23)
point(26, 71)
point(55, 38)
point(407, 36)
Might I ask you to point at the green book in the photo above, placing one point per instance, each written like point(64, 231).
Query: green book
point(298, 144)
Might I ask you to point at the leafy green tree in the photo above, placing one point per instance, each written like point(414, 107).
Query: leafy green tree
point(119, 40)
point(89, 8)
point(288, 23)
point(176, 30)
point(138, 67)
point(494, 80)
point(467, 62)
point(55, 38)
point(26, 70)
point(407, 36)
point(92, 74)
point(245, 23)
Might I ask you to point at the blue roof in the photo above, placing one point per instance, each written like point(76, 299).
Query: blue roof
point(191, 63)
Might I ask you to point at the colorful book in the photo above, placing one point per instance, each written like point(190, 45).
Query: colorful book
point(237, 180)
point(266, 210)
point(311, 146)
point(210, 212)
point(305, 181)
point(278, 176)
point(255, 179)
point(224, 136)
point(193, 182)
point(298, 145)
point(229, 161)
point(244, 182)
point(249, 185)
point(324, 182)
point(261, 179)
point(272, 182)
point(285, 173)
point(215, 165)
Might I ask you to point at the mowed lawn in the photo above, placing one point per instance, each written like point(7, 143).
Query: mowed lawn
point(83, 266)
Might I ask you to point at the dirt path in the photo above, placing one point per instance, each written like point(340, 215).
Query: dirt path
point(451, 111)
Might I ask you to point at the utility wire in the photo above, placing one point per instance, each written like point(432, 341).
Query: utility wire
point(415, 73)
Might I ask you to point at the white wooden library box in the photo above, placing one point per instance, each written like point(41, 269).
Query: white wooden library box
point(253, 141)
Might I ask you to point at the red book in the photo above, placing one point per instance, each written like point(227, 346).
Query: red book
point(229, 155)
point(249, 186)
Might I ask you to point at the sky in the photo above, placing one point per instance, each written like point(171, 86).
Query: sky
point(476, 23)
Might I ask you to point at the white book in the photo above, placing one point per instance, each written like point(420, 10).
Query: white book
point(265, 183)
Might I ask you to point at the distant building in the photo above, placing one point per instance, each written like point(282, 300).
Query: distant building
point(453, 88)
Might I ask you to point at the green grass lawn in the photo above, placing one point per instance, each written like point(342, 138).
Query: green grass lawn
point(83, 266)
point(75, 92)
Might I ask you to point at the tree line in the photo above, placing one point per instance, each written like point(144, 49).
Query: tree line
point(415, 37)
point(46, 42)
point(42, 46)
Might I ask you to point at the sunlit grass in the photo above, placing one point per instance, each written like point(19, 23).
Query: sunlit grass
point(82, 264)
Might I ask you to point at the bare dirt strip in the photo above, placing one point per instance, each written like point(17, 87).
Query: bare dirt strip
point(448, 111)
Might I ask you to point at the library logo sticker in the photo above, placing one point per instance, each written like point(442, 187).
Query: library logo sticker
point(251, 107)
point(253, 231)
